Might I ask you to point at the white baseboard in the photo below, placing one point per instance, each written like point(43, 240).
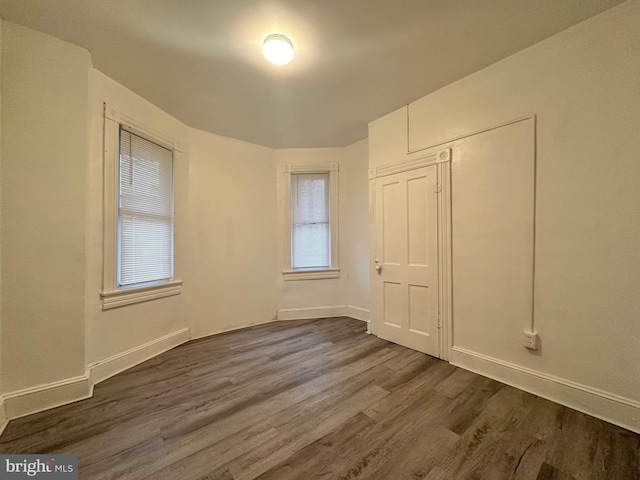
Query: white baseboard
point(620, 411)
point(311, 312)
point(43, 397)
point(3, 416)
point(232, 329)
point(111, 366)
point(358, 313)
point(331, 311)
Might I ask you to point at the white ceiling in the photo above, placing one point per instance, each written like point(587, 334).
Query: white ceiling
point(356, 60)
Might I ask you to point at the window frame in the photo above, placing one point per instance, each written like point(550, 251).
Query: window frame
point(333, 271)
point(113, 295)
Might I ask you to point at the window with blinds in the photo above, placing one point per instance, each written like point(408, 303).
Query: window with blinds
point(310, 221)
point(145, 213)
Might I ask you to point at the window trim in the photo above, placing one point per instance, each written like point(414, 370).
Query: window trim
point(114, 295)
point(333, 271)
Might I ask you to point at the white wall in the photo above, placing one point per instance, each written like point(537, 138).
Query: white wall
point(236, 234)
point(312, 293)
point(356, 226)
point(492, 240)
point(388, 138)
point(352, 288)
point(583, 86)
point(45, 89)
point(232, 273)
point(111, 332)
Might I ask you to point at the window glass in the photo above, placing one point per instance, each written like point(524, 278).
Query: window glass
point(310, 221)
point(145, 214)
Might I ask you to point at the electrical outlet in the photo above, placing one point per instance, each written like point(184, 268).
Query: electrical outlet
point(531, 340)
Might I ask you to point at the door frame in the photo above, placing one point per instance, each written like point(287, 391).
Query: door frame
point(442, 159)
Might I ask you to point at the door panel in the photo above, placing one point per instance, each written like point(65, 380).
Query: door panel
point(392, 244)
point(393, 304)
point(418, 219)
point(419, 304)
point(406, 283)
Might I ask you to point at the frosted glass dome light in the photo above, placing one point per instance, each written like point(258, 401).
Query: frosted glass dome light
point(278, 49)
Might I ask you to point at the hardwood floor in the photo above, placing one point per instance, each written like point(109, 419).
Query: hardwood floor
point(319, 399)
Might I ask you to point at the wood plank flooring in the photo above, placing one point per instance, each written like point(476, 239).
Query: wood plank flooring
point(319, 399)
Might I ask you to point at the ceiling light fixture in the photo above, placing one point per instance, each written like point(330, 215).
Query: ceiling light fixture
point(278, 49)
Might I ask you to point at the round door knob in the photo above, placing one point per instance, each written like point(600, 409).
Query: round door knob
point(378, 268)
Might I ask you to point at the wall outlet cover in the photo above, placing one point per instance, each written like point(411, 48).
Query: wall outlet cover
point(531, 340)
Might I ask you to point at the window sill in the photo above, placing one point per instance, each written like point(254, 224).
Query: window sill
point(311, 274)
point(119, 298)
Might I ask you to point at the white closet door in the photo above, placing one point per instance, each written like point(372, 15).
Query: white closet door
point(406, 281)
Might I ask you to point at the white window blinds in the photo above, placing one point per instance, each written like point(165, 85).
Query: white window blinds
point(310, 221)
point(145, 217)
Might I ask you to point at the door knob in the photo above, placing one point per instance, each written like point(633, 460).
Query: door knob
point(378, 268)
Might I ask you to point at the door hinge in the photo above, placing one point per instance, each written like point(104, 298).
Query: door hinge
point(438, 324)
point(437, 188)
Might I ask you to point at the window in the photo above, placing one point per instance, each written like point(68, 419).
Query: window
point(138, 198)
point(311, 222)
point(145, 215)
